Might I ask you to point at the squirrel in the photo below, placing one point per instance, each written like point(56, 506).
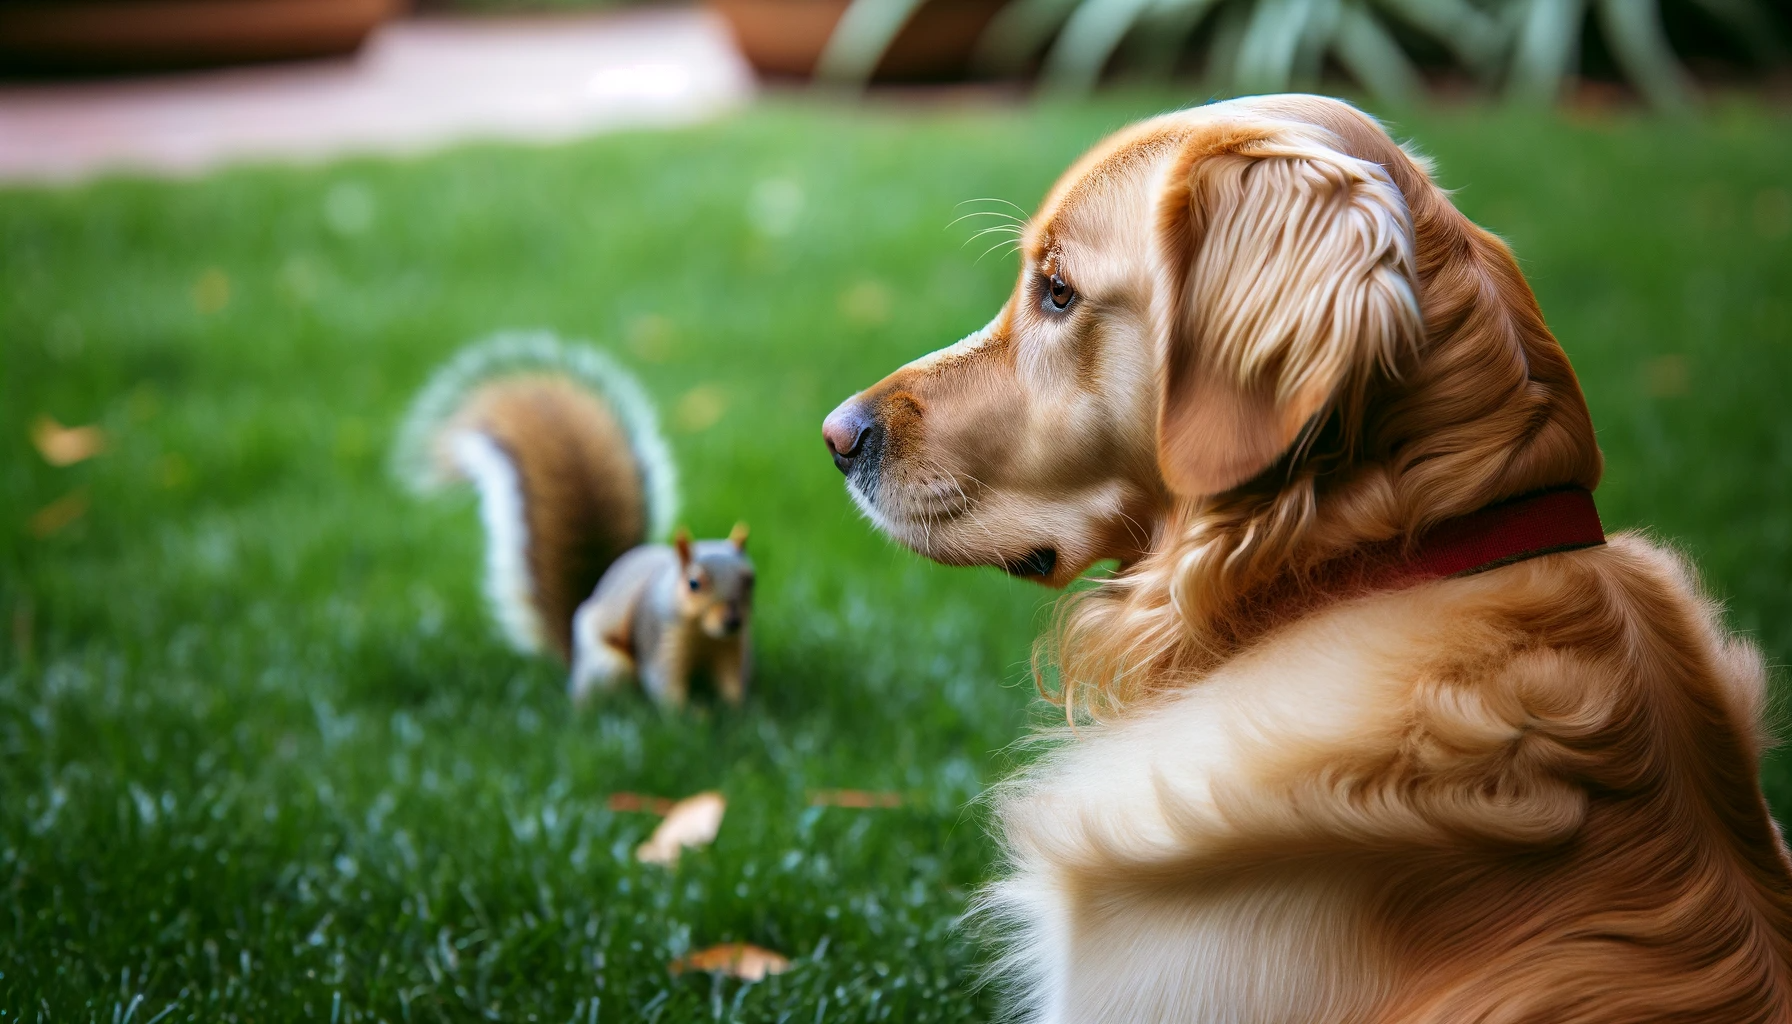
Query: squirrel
point(562, 445)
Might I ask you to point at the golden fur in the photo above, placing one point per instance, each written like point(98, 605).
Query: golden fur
point(1524, 795)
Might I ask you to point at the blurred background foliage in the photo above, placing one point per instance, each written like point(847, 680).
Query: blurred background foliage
point(1528, 50)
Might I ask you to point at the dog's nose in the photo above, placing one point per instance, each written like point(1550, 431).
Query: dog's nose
point(845, 431)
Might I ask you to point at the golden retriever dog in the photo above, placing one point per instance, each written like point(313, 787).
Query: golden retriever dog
point(1370, 723)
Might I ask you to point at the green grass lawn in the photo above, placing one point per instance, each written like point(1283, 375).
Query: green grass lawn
point(261, 754)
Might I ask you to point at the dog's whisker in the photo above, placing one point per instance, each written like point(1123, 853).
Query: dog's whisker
point(1135, 529)
point(993, 545)
point(1008, 252)
point(999, 229)
point(1005, 215)
point(1015, 241)
point(993, 199)
point(998, 245)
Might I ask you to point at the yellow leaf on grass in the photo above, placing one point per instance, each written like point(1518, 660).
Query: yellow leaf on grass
point(693, 821)
point(700, 408)
point(854, 798)
point(211, 292)
point(737, 959)
point(867, 303)
point(1665, 376)
point(65, 446)
point(650, 336)
point(624, 802)
point(59, 513)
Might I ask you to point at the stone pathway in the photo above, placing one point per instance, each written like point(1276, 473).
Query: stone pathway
point(419, 83)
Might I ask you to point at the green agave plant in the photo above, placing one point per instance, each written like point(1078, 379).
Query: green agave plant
point(1527, 48)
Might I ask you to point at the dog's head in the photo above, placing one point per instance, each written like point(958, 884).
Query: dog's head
point(1195, 295)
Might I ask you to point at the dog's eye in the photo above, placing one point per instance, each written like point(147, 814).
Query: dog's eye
point(695, 584)
point(1058, 292)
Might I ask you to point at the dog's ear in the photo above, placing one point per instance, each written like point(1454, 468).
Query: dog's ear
point(1289, 274)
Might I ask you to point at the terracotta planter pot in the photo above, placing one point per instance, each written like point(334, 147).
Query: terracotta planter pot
point(786, 37)
point(131, 35)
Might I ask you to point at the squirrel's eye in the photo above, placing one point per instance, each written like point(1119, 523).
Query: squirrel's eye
point(1058, 291)
point(695, 584)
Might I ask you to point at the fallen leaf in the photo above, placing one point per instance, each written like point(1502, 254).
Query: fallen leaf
point(1665, 376)
point(692, 821)
point(1773, 213)
point(59, 513)
point(639, 802)
point(211, 292)
point(700, 408)
point(650, 337)
point(737, 959)
point(65, 446)
point(173, 470)
point(857, 798)
point(867, 303)
point(144, 403)
point(22, 631)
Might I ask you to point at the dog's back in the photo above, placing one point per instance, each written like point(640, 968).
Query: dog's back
point(1527, 795)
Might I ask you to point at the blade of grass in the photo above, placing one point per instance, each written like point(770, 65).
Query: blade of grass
point(1266, 54)
point(1374, 58)
point(1315, 39)
point(1547, 50)
point(861, 38)
point(1095, 28)
point(1633, 32)
point(1161, 36)
point(1223, 49)
point(1017, 33)
point(1475, 38)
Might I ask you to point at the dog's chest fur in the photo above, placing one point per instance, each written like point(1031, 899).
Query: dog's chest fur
point(1289, 837)
point(1133, 897)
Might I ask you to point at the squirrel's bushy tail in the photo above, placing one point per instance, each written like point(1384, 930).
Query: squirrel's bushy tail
point(564, 449)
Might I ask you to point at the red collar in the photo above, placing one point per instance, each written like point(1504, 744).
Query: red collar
point(1541, 523)
point(1536, 524)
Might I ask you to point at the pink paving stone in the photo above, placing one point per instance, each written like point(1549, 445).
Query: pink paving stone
point(419, 84)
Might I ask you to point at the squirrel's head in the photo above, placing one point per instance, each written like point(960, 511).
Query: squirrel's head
point(717, 587)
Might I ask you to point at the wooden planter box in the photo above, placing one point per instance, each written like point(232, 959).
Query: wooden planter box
point(135, 35)
point(786, 37)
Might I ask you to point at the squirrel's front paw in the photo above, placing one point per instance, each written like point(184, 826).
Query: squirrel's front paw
point(596, 667)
